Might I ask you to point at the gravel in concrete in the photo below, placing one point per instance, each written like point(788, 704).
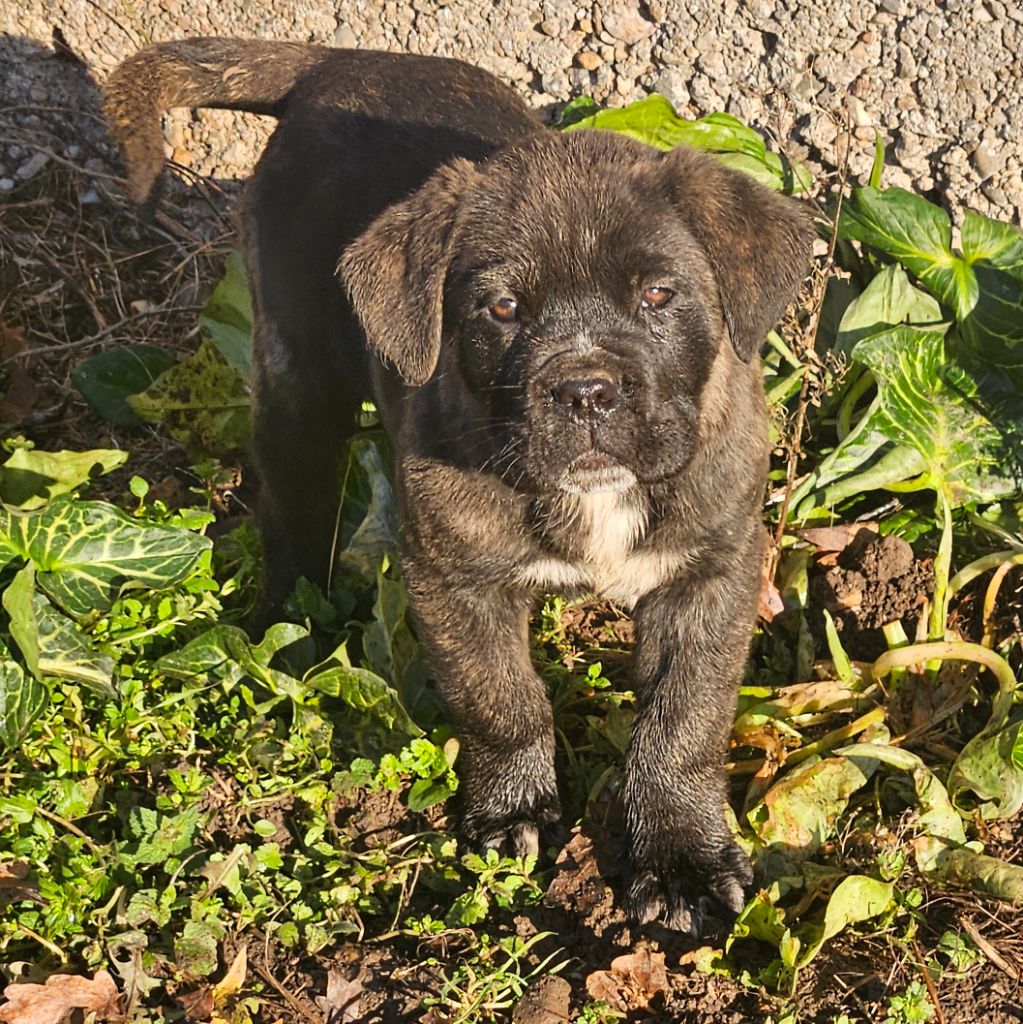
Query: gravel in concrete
point(942, 81)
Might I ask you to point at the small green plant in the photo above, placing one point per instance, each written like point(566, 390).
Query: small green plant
point(492, 980)
point(912, 1006)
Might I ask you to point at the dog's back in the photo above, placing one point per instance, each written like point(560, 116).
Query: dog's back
point(358, 131)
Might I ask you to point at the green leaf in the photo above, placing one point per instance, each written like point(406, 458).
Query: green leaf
point(106, 380)
point(163, 837)
point(22, 700)
point(370, 529)
point(195, 949)
point(50, 642)
point(202, 402)
point(843, 666)
point(909, 229)
point(992, 329)
point(653, 120)
point(856, 898)
point(983, 286)
point(225, 653)
point(987, 767)
point(85, 551)
point(888, 300)
point(227, 317)
point(929, 404)
point(802, 810)
point(30, 479)
point(372, 702)
point(991, 875)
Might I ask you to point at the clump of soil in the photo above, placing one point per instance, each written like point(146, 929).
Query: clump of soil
point(876, 580)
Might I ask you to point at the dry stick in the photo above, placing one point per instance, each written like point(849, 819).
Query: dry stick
point(811, 333)
point(298, 1005)
point(100, 335)
point(39, 252)
point(932, 990)
point(988, 949)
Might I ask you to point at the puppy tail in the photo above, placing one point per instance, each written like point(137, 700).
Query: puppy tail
point(234, 74)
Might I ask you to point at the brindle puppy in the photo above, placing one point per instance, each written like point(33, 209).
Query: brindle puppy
point(560, 332)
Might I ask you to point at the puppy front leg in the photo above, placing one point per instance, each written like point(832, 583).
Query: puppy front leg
point(692, 640)
point(476, 642)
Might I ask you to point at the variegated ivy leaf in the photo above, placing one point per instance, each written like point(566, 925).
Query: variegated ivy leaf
point(85, 552)
point(22, 699)
point(929, 404)
point(51, 643)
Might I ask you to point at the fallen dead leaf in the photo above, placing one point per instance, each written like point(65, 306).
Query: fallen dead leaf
point(827, 539)
point(233, 979)
point(341, 1003)
point(634, 979)
point(197, 1005)
point(13, 884)
point(52, 1002)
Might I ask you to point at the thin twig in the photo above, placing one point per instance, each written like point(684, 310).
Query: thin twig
point(932, 989)
point(92, 339)
point(298, 1005)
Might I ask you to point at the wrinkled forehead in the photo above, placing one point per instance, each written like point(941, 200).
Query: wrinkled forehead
point(576, 210)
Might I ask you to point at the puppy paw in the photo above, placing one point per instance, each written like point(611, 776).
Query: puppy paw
point(522, 832)
point(684, 891)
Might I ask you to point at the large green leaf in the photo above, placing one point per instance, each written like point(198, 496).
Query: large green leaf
point(106, 380)
point(929, 404)
point(653, 120)
point(85, 552)
point(50, 642)
point(203, 402)
point(227, 317)
point(31, 478)
point(982, 285)
point(888, 300)
point(986, 765)
point(22, 699)
point(993, 328)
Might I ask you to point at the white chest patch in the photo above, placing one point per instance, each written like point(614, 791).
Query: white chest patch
point(607, 525)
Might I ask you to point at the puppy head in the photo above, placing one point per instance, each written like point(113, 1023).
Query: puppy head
point(581, 288)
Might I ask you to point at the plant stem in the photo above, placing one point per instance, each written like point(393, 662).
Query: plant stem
point(957, 650)
point(942, 568)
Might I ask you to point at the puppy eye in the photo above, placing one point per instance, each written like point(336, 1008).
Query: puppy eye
point(655, 297)
point(505, 310)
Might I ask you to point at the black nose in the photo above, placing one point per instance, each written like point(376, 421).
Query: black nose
point(598, 394)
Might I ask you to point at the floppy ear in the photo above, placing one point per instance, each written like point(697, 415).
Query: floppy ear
point(758, 242)
point(394, 272)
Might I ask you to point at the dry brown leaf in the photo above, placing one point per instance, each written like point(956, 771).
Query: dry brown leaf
point(341, 1003)
point(52, 1002)
point(197, 1005)
point(834, 538)
point(634, 979)
point(13, 884)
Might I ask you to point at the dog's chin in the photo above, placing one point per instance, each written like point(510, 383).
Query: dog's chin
point(595, 473)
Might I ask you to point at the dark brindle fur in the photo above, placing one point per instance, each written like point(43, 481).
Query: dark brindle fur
point(556, 425)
